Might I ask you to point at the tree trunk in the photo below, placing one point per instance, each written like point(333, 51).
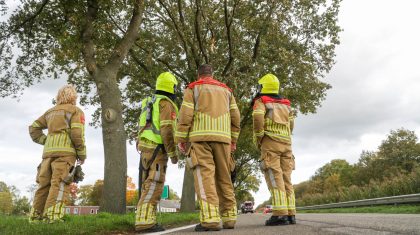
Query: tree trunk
point(114, 140)
point(188, 192)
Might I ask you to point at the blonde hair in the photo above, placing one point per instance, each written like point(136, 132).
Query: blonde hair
point(67, 95)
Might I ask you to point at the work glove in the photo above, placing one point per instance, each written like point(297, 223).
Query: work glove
point(79, 174)
point(232, 146)
point(182, 147)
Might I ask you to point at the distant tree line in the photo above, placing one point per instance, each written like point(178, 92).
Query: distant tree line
point(11, 202)
point(394, 169)
point(91, 194)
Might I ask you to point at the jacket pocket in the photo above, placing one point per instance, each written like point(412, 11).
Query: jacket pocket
point(38, 169)
point(231, 163)
point(191, 160)
point(146, 159)
point(67, 178)
point(268, 160)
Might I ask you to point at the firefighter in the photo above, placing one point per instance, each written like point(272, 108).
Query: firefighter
point(157, 124)
point(273, 122)
point(63, 145)
point(209, 121)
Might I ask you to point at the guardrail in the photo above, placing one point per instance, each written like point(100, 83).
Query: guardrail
point(410, 198)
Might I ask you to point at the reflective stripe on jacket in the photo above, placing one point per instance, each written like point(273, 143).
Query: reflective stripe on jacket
point(208, 113)
point(65, 124)
point(273, 118)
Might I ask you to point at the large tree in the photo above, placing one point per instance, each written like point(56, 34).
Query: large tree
point(54, 38)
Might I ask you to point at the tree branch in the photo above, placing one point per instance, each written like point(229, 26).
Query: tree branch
point(181, 15)
point(122, 48)
point(256, 47)
point(228, 24)
point(30, 18)
point(138, 61)
point(168, 66)
point(198, 29)
point(262, 31)
point(178, 29)
point(88, 50)
point(172, 69)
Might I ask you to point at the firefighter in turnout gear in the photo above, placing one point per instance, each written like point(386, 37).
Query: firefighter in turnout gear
point(209, 120)
point(273, 124)
point(63, 145)
point(157, 124)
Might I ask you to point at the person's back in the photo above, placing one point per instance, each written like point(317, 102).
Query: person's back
point(210, 102)
point(273, 124)
point(63, 145)
point(209, 119)
point(156, 143)
point(65, 130)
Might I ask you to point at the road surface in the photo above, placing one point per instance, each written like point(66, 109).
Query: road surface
point(383, 224)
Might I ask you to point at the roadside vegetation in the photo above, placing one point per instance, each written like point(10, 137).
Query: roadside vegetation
point(388, 209)
point(103, 223)
point(394, 169)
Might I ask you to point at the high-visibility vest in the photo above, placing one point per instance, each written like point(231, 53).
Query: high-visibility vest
point(150, 129)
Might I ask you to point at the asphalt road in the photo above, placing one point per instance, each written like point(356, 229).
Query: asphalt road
point(383, 224)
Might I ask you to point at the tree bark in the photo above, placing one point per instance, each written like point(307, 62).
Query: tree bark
point(188, 192)
point(114, 139)
point(105, 77)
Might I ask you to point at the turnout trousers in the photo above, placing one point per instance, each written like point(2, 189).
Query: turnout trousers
point(277, 163)
point(212, 165)
point(151, 189)
point(52, 193)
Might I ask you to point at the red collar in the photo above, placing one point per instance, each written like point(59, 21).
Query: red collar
point(268, 99)
point(208, 80)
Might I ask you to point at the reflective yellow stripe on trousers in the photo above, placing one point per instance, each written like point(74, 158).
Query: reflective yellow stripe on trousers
point(230, 215)
point(291, 202)
point(209, 213)
point(146, 212)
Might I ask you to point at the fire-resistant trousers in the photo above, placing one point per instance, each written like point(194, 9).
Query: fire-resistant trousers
point(277, 164)
point(52, 193)
point(212, 165)
point(152, 188)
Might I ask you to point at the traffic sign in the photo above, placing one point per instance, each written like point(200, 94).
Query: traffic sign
point(165, 192)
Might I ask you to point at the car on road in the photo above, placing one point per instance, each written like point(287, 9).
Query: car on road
point(268, 209)
point(247, 206)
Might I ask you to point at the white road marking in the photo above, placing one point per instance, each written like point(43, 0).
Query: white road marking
point(174, 230)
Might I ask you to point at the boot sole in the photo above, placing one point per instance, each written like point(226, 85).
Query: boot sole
point(278, 224)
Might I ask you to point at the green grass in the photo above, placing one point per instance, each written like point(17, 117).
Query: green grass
point(389, 209)
point(102, 223)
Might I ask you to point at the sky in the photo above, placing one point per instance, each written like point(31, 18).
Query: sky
point(375, 89)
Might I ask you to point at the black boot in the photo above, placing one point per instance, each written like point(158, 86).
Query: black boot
point(277, 220)
point(155, 228)
point(292, 219)
point(201, 228)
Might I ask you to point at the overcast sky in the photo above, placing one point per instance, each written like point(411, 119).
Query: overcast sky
point(375, 88)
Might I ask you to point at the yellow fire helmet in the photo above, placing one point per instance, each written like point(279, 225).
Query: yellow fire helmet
point(166, 82)
point(270, 84)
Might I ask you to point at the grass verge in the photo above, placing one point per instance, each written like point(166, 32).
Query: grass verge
point(103, 223)
point(388, 209)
